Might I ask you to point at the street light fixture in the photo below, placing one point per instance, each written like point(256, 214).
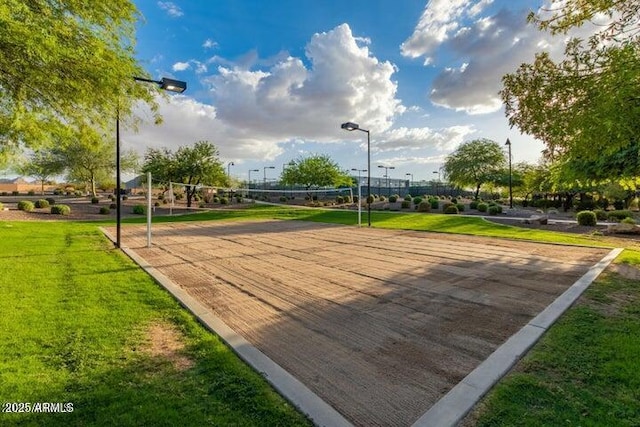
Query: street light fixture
point(411, 181)
point(165, 84)
point(386, 174)
point(264, 184)
point(350, 126)
point(508, 144)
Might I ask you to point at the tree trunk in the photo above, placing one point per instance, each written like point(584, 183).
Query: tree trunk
point(189, 195)
point(93, 186)
point(42, 187)
point(477, 191)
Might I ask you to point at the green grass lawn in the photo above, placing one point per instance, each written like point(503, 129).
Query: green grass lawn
point(406, 221)
point(586, 369)
point(75, 325)
point(76, 317)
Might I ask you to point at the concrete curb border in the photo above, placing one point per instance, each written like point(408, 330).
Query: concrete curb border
point(457, 403)
point(320, 412)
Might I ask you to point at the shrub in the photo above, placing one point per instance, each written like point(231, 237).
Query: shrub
point(156, 204)
point(41, 203)
point(161, 196)
point(125, 197)
point(424, 206)
point(586, 218)
point(628, 221)
point(454, 200)
point(25, 205)
point(95, 200)
point(445, 205)
point(371, 199)
point(393, 198)
point(15, 193)
point(451, 209)
point(60, 210)
point(113, 206)
point(225, 201)
point(216, 199)
point(104, 210)
point(339, 200)
point(139, 209)
point(51, 200)
point(435, 204)
point(482, 207)
point(283, 199)
point(473, 204)
point(4, 193)
point(408, 197)
point(406, 204)
point(417, 200)
point(494, 210)
point(619, 215)
point(1, 206)
point(239, 199)
point(31, 193)
point(201, 205)
point(618, 205)
point(58, 192)
point(460, 207)
point(601, 215)
point(382, 198)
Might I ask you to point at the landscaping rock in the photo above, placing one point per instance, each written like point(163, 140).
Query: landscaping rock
point(537, 219)
point(623, 228)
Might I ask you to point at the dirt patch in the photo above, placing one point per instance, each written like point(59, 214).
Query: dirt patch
point(167, 343)
point(379, 323)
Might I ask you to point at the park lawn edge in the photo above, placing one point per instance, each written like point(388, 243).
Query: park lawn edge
point(61, 342)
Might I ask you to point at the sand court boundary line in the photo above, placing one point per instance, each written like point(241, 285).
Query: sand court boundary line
point(457, 403)
point(309, 403)
point(412, 318)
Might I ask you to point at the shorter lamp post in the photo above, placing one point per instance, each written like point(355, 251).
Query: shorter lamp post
point(411, 180)
point(350, 126)
point(264, 183)
point(386, 174)
point(165, 84)
point(437, 183)
point(508, 144)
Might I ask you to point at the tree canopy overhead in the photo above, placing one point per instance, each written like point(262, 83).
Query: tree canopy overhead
point(474, 163)
point(585, 108)
point(65, 65)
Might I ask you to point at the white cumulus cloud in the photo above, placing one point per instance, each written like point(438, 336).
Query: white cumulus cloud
point(344, 82)
point(171, 9)
point(485, 48)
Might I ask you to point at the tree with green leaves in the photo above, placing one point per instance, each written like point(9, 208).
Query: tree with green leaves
point(315, 171)
point(91, 160)
point(192, 166)
point(585, 108)
point(474, 163)
point(65, 65)
point(43, 165)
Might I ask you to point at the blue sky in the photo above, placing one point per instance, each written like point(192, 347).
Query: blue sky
point(270, 82)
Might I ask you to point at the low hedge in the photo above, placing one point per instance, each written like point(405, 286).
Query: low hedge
point(26, 205)
point(60, 210)
point(587, 218)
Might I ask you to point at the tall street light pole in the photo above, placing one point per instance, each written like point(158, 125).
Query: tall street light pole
point(410, 181)
point(351, 127)
point(264, 183)
point(508, 144)
point(252, 170)
point(229, 168)
point(386, 174)
point(165, 84)
point(437, 183)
